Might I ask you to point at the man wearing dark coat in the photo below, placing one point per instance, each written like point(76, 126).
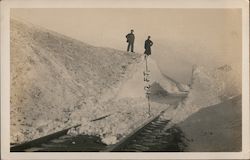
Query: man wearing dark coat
point(130, 40)
point(147, 46)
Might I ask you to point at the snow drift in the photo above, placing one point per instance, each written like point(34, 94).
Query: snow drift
point(53, 75)
point(134, 87)
point(214, 129)
point(208, 87)
point(210, 116)
point(57, 82)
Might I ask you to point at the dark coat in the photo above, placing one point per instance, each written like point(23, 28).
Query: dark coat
point(130, 38)
point(147, 46)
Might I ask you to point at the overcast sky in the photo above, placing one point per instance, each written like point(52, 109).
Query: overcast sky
point(182, 37)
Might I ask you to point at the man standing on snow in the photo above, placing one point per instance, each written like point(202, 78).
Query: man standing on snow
point(147, 46)
point(130, 40)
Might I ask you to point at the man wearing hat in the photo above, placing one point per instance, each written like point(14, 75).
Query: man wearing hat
point(130, 40)
point(147, 46)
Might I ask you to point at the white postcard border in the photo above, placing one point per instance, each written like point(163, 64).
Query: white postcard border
point(5, 75)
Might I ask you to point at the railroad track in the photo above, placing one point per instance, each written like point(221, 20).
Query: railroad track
point(38, 141)
point(57, 140)
point(153, 137)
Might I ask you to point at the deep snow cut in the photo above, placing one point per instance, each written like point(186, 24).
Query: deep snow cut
point(58, 82)
point(134, 87)
point(53, 76)
point(208, 87)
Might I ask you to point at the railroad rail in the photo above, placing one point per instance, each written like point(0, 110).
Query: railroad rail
point(122, 142)
point(55, 142)
point(38, 141)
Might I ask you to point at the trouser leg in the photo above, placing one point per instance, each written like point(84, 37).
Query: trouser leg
point(132, 47)
point(128, 47)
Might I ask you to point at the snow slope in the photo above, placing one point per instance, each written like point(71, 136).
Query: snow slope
point(53, 75)
point(129, 109)
point(230, 79)
point(58, 82)
point(124, 116)
point(134, 87)
point(210, 116)
point(215, 128)
point(209, 87)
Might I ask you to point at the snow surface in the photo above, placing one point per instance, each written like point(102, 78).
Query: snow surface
point(214, 129)
point(125, 115)
point(134, 87)
point(58, 82)
point(129, 108)
point(210, 116)
point(209, 87)
point(53, 75)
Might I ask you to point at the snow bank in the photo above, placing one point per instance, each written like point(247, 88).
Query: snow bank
point(209, 87)
point(134, 87)
point(229, 77)
point(52, 76)
point(58, 82)
point(124, 115)
point(129, 109)
point(214, 129)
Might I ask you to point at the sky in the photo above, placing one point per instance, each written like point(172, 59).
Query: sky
point(182, 37)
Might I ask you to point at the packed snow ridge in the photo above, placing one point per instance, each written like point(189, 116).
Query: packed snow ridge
point(58, 82)
point(208, 87)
